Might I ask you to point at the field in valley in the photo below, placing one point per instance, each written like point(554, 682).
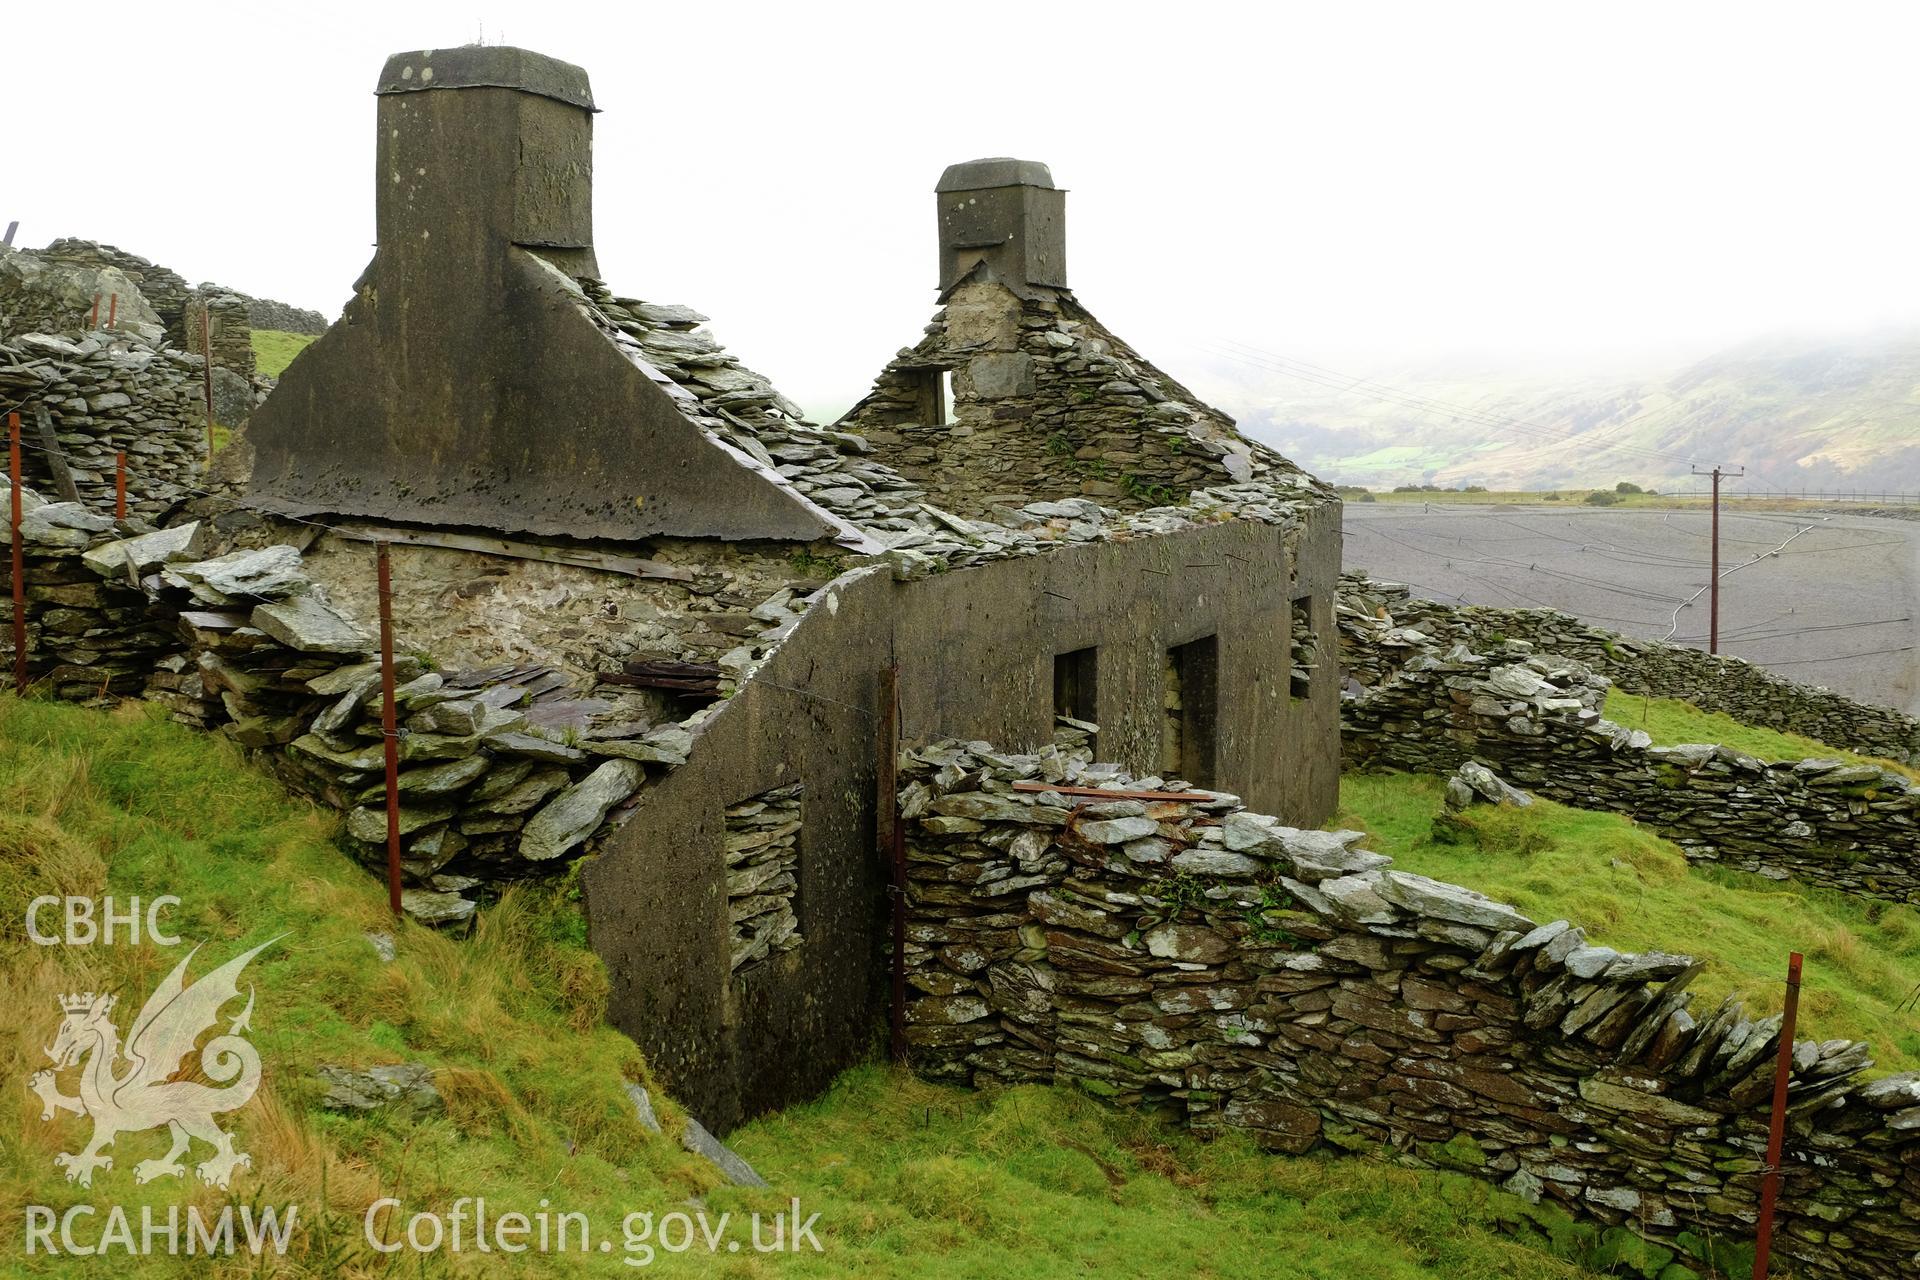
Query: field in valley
point(1821, 597)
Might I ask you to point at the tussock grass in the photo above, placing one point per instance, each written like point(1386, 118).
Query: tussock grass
point(909, 1179)
point(1671, 722)
point(1632, 890)
point(128, 805)
point(1039, 1182)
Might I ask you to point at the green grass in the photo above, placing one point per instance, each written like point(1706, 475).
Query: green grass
point(1671, 722)
point(274, 349)
point(1039, 1182)
point(909, 1179)
point(1632, 890)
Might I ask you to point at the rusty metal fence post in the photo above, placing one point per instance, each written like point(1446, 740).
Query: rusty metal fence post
point(389, 726)
point(19, 564)
point(1777, 1130)
point(120, 484)
point(893, 847)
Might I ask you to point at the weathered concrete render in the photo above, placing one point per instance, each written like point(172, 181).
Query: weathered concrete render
point(976, 650)
point(464, 385)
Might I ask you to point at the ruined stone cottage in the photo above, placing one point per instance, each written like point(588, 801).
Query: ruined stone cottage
point(1071, 539)
point(648, 615)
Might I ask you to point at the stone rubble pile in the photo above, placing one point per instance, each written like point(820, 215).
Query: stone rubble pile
point(503, 770)
point(1382, 622)
point(1475, 784)
point(1537, 719)
point(1182, 952)
point(763, 867)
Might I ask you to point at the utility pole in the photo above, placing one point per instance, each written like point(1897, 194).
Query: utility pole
point(1713, 582)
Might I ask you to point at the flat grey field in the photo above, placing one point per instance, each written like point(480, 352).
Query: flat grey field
point(1824, 599)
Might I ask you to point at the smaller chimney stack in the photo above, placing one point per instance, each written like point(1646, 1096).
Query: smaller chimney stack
point(1006, 214)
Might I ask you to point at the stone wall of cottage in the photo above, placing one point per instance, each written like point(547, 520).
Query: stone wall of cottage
point(1043, 401)
point(1746, 692)
point(1185, 954)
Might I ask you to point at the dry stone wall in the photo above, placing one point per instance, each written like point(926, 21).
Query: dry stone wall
point(1183, 953)
point(266, 313)
point(164, 290)
point(1718, 683)
point(217, 320)
point(1537, 721)
point(103, 393)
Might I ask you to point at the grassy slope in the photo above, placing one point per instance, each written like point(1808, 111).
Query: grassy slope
point(274, 350)
point(1670, 722)
point(1632, 890)
point(909, 1178)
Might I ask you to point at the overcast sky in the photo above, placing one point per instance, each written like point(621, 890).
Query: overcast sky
point(1347, 183)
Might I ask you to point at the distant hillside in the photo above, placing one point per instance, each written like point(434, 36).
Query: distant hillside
point(1816, 414)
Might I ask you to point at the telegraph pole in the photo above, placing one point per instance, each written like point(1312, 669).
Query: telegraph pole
point(1713, 582)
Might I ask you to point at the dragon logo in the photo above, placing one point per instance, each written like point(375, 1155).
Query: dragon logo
point(142, 1086)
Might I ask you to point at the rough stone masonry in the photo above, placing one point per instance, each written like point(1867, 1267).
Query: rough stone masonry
point(1190, 955)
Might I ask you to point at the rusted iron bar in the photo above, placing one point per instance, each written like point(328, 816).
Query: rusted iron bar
point(93, 321)
point(893, 845)
point(389, 727)
point(113, 311)
point(120, 484)
point(19, 559)
point(1777, 1131)
point(1101, 793)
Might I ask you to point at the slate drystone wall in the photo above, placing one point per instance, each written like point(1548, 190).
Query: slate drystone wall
point(505, 769)
point(229, 333)
point(1187, 954)
point(1537, 721)
point(265, 313)
point(1718, 683)
point(164, 290)
point(102, 393)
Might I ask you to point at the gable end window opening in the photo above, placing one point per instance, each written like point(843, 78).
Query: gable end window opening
point(934, 391)
point(1191, 711)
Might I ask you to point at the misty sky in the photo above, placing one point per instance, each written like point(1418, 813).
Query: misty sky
point(1351, 184)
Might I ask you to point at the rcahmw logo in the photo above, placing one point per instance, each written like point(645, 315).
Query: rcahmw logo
point(150, 1079)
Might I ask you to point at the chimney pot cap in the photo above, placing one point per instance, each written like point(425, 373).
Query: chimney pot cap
point(476, 66)
point(994, 171)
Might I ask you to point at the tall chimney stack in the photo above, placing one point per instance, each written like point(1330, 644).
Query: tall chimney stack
point(508, 160)
point(470, 382)
point(1006, 214)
